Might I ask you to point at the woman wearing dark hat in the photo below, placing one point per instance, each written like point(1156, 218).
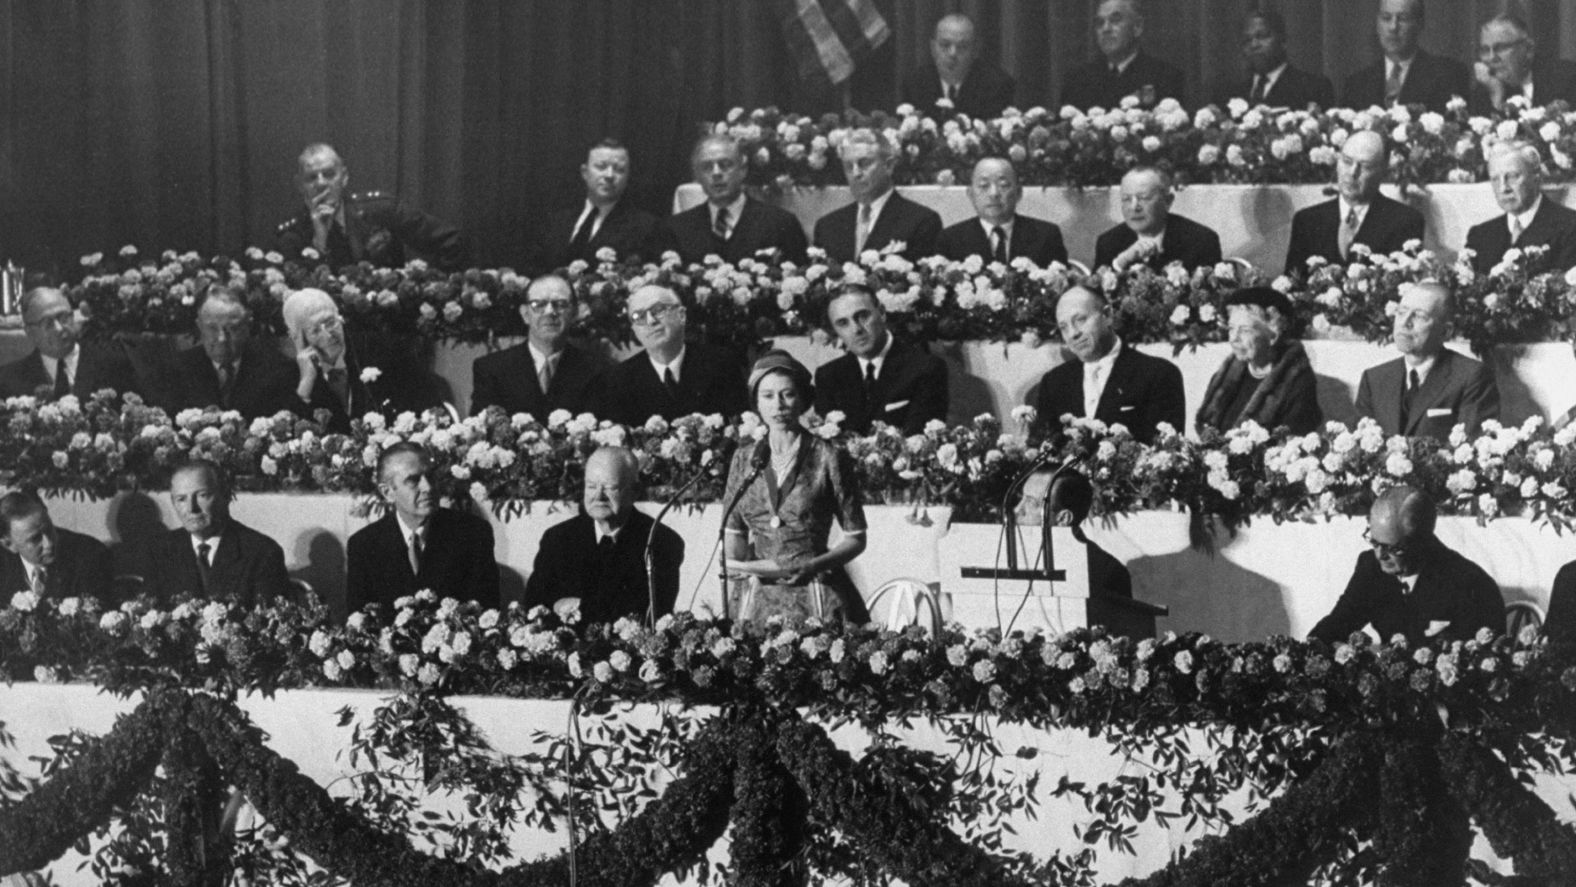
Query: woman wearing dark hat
point(1267, 378)
point(790, 486)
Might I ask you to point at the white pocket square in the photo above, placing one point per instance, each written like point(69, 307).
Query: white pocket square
point(1127, 409)
point(1439, 411)
point(1435, 626)
point(896, 405)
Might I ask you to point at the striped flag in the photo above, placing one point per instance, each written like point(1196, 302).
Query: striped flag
point(828, 37)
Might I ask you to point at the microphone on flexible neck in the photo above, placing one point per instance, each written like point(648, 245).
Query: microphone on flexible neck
point(759, 459)
point(650, 553)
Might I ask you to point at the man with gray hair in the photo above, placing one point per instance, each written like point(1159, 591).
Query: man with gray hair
point(1508, 66)
point(226, 369)
point(61, 364)
point(1123, 69)
point(955, 73)
point(879, 216)
point(1515, 173)
point(730, 224)
point(1429, 389)
point(345, 228)
point(669, 377)
point(1411, 584)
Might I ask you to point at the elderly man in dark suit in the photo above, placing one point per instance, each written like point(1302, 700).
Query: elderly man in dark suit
point(1509, 65)
point(226, 368)
point(669, 377)
point(603, 220)
point(344, 228)
point(60, 363)
point(1409, 583)
point(1123, 69)
point(1358, 214)
point(595, 561)
point(1515, 172)
point(879, 216)
point(879, 379)
point(418, 544)
point(1149, 232)
point(545, 372)
point(212, 555)
point(46, 560)
point(955, 73)
point(344, 376)
point(997, 233)
point(1108, 379)
point(1405, 74)
point(1429, 389)
point(730, 224)
point(1272, 80)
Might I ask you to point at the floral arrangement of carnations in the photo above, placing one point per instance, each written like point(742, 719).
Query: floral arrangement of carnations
point(106, 444)
point(1094, 147)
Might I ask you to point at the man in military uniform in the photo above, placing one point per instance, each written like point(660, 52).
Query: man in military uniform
point(345, 228)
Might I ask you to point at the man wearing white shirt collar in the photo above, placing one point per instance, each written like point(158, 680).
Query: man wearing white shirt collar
point(997, 232)
point(1360, 213)
point(212, 555)
point(1509, 65)
point(1430, 389)
point(1272, 80)
point(731, 224)
point(878, 379)
point(1516, 178)
point(879, 217)
point(606, 176)
point(51, 562)
point(669, 378)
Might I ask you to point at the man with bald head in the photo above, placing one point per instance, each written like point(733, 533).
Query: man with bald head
point(997, 233)
point(956, 73)
point(730, 224)
point(546, 372)
point(1515, 173)
point(1149, 232)
point(1409, 583)
point(1405, 74)
point(1123, 69)
point(1429, 389)
point(1509, 65)
point(1106, 378)
point(669, 377)
point(60, 363)
point(1358, 213)
point(595, 561)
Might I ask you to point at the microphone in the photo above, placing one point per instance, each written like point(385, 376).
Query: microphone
point(649, 554)
point(1009, 520)
point(759, 459)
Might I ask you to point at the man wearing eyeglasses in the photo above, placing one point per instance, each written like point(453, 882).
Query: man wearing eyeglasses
point(60, 364)
point(669, 378)
point(226, 369)
point(1409, 583)
point(1508, 66)
point(545, 372)
point(595, 562)
point(1515, 176)
point(346, 377)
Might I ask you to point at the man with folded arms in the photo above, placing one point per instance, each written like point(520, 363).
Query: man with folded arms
point(1406, 74)
point(669, 377)
point(211, 554)
point(42, 558)
point(879, 216)
point(997, 233)
point(730, 224)
point(1409, 583)
point(1515, 173)
point(879, 379)
point(603, 220)
point(1358, 214)
point(61, 364)
point(1150, 233)
point(596, 560)
point(1429, 389)
point(545, 372)
point(1123, 69)
point(1108, 379)
point(226, 369)
point(955, 73)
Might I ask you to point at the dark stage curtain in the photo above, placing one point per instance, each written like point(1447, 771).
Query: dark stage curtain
point(176, 123)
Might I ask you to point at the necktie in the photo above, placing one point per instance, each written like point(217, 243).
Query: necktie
point(670, 382)
point(339, 383)
point(40, 580)
point(62, 380)
point(1348, 231)
point(863, 233)
point(582, 238)
point(1259, 84)
point(415, 554)
point(544, 376)
point(226, 383)
point(1413, 382)
point(1392, 85)
point(1515, 230)
point(720, 226)
point(204, 570)
point(998, 237)
point(950, 91)
point(870, 391)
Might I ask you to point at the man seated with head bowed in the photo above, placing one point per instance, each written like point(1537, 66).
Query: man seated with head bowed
point(604, 220)
point(53, 563)
point(1510, 66)
point(1357, 214)
point(730, 224)
point(956, 73)
point(997, 233)
point(1150, 233)
point(1405, 74)
point(1267, 378)
point(879, 216)
point(545, 372)
point(60, 363)
point(669, 377)
point(1411, 584)
point(418, 544)
point(1515, 173)
point(1123, 68)
point(1107, 379)
point(1429, 389)
point(595, 561)
point(346, 376)
point(1271, 79)
point(345, 228)
point(211, 554)
point(226, 368)
point(879, 379)
point(1071, 496)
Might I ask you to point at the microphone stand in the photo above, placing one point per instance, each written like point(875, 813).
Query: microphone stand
point(758, 463)
point(1009, 519)
point(649, 552)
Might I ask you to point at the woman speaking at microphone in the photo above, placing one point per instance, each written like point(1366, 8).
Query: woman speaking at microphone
point(788, 488)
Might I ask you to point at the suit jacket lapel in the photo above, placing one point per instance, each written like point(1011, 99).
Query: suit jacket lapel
point(1121, 369)
point(886, 223)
